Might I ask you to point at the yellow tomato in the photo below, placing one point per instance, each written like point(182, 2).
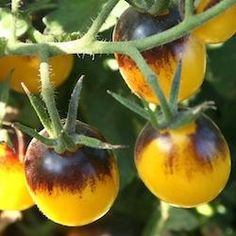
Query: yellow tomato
point(13, 191)
point(163, 60)
point(72, 189)
point(219, 28)
point(186, 166)
point(26, 70)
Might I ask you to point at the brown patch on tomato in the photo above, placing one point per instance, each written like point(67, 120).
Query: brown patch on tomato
point(206, 144)
point(209, 4)
point(73, 172)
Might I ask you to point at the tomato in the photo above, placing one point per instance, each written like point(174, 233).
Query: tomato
point(219, 28)
point(72, 188)
point(185, 166)
point(13, 191)
point(26, 70)
point(163, 60)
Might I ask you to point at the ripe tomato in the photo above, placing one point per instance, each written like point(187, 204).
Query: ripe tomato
point(185, 166)
point(72, 188)
point(218, 29)
point(26, 70)
point(13, 192)
point(163, 60)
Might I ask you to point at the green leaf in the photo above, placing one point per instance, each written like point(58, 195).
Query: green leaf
point(72, 16)
point(6, 20)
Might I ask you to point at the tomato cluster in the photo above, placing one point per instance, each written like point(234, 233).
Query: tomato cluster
point(178, 165)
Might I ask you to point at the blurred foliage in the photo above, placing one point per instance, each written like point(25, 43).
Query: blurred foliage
point(136, 211)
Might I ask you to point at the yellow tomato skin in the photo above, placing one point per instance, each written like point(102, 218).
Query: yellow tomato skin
point(13, 191)
point(218, 29)
point(26, 70)
point(72, 189)
point(184, 167)
point(163, 60)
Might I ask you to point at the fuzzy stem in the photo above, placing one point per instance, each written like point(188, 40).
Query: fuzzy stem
point(188, 9)
point(100, 47)
point(152, 79)
point(47, 94)
point(15, 4)
point(99, 21)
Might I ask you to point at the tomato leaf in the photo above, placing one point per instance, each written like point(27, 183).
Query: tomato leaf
point(72, 16)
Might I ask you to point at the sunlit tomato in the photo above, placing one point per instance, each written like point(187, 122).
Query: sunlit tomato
point(218, 29)
point(26, 70)
point(72, 188)
point(185, 166)
point(163, 60)
point(13, 192)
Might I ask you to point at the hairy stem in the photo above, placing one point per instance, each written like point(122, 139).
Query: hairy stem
point(47, 94)
point(99, 47)
point(188, 9)
point(152, 79)
point(100, 20)
point(15, 4)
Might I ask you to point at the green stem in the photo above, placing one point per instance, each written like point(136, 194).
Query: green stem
point(158, 7)
point(100, 47)
point(152, 79)
point(47, 94)
point(15, 4)
point(188, 9)
point(99, 21)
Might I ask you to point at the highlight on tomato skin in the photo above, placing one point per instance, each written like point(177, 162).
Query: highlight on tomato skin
point(14, 194)
point(72, 189)
point(26, 70)
point(186, 166)
point(218, 29)
point(163, 60)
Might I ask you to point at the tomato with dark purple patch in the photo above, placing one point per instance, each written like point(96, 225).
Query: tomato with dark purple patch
point(186, 166)
point(13, 191)
point(72, 188)
point(163, 60)
point(218, 29)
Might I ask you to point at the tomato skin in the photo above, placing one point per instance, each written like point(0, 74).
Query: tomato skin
point(72, 189)
point(184, 167)
point(163, 60)
point(218, 29)
point(26, 70)
point(13, 191)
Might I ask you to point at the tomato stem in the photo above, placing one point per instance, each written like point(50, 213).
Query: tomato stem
point(100, 47)
point(153, 81)
point(188, 9)
point(47, 93)
point(15, 4)
point(99, 21)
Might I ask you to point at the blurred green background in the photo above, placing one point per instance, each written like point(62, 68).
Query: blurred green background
point(136, 211)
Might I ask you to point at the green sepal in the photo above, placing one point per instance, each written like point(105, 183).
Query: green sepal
point(70, 125)
point(40, 109)
point(190, 115)
point(174, 92)
point(131, 105)
point(33, 133)
point(94, 143)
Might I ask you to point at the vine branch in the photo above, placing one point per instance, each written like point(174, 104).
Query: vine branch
point(85, 46)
